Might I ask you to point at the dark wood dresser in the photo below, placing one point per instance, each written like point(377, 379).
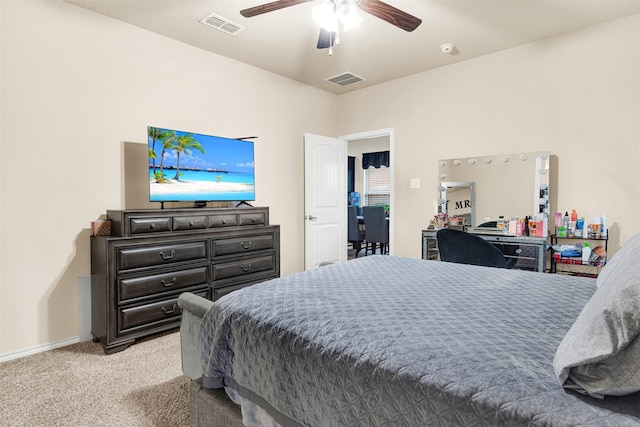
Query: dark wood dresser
point(152, 256)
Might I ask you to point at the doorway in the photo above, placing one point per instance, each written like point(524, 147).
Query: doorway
point(372, 141)
point(325, 188)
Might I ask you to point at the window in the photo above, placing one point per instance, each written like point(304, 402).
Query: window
point(377, 188)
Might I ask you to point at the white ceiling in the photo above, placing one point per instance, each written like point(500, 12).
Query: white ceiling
point(284, 41)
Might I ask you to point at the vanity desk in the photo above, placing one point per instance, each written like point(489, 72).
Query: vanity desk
point(520, 252)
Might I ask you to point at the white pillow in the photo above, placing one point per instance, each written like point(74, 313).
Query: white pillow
point(600, 355)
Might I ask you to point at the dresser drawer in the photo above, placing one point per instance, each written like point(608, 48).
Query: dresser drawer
point(243, 267)
point(150, 315)
point(151, 256)
point(239, 245)
point(189, 222)
point(257, 218)
point(140, 287)
point(229, 220)
point(150, 225)
point(217, 293)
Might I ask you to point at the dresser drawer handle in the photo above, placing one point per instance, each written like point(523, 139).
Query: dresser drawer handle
point(152, 226)
point(171, 283)
point(191, 223)
point(166, 257)
point(245, 267)
point(224, 221)
point(246, 245)
point(518, 251)
point(166, 311)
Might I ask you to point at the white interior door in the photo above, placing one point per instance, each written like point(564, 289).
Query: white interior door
point(325, 200)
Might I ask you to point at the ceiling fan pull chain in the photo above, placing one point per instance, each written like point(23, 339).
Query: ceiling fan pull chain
point(331, 43)
point(334, 39)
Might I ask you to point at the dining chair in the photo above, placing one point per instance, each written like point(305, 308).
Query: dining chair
point(466, 248)
point(376, 228)
point(355, 234)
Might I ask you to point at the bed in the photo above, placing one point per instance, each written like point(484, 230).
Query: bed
point(392, 341)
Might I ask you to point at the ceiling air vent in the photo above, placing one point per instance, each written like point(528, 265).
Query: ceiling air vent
point(222, 24)
point(345, 79)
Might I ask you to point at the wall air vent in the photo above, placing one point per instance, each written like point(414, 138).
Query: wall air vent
point(222, 24)
point(345, 79)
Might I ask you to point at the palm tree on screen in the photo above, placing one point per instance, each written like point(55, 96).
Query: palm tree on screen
point(157, 134)
point(167, 144)
point(185, 144)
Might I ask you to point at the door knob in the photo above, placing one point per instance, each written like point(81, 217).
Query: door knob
point(311, 217)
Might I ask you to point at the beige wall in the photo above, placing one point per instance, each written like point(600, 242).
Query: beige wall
point(576, 95)
point(76, 85)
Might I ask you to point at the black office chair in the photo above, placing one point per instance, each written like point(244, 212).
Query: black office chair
point(355, 235)
point(376, 229)
point(466, 248)
point(513, 251)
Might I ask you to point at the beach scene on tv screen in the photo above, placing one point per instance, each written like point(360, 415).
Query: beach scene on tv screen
point(186, 166)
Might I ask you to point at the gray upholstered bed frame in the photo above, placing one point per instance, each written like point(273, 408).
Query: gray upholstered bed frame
point(207, 407)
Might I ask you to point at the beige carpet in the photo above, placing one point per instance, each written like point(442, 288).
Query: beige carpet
point(79, 385)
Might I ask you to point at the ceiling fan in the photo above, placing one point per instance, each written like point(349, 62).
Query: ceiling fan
point(341, 8)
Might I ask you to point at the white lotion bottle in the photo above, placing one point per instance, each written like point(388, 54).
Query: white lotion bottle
point(586, 253)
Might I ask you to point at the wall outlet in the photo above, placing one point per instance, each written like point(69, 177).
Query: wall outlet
point(414, 183)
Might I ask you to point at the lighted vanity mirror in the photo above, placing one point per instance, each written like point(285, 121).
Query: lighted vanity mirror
point(458, 199)
point(505, 184)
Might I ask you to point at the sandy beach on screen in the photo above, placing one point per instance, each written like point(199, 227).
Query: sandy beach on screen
point(173, 187)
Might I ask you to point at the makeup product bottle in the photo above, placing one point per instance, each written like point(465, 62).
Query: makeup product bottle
point(581, 228)
point(586, 253)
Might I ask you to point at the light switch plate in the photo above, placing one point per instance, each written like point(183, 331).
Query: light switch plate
point(414, 183)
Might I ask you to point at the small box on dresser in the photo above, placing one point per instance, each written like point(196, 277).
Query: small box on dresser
point(153, 256)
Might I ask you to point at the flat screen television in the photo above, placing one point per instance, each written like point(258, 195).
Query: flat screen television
point(192, 167)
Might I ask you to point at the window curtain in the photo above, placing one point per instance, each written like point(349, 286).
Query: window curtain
point(377, 159)
point(351, 174)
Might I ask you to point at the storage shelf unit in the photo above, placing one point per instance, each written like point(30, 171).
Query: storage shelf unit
point(574, 265)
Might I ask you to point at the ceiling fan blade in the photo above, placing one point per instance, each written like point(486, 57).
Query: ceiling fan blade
point(326, 39)
point(270, 7)
point(390, 14)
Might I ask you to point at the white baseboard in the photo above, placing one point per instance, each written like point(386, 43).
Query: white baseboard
point(39, 349)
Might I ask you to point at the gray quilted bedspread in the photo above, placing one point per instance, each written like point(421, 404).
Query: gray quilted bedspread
point(390, 341)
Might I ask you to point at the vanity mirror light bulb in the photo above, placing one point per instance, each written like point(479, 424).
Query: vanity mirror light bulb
point(505, 159)
point(488, 160)
point(442, 176)
point(456, 162)
point(472, 161)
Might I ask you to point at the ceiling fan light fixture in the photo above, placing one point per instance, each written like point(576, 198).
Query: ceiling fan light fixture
point(348, 14)
point(329, 12)
point(325, 15)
